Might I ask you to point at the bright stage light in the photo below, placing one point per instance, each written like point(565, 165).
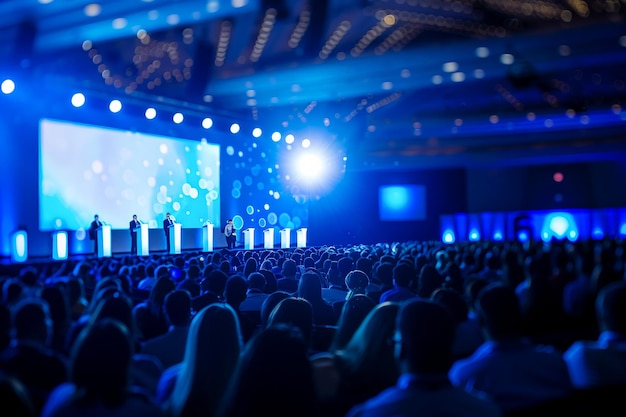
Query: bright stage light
point(257, 132)
point(178, 118)
point(78, 99)
point(276, 136)
point(150, 113)
point(310, 166)
point(8, 86)
point(115, 106)
point(207, 122)
point(234, 128)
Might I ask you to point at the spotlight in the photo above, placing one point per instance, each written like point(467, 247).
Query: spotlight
point(8, 86)
point(115, 106)
point(257, 132)
point(150, 113)
point(207, 123)
point(234, 128)
point(78, 100)
point(178, 118)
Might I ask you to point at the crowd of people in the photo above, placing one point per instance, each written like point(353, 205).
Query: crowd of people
point(391, 329)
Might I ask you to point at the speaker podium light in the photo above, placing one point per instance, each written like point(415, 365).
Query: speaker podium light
point(248, 238)
point(175, 238)
point(59, 245)
point(268, 238)
point(285, 238)
point(104, 241)
point(143, 236)
point(207, 237)
point(301, 237)
point(19, 246)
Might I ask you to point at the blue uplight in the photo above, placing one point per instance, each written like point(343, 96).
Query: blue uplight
point(448, 237)
point(559, 225)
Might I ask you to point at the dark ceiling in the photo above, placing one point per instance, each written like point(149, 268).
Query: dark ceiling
point(399, 83)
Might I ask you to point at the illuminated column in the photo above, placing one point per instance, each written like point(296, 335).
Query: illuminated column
point(104, 241)
point(207, 237)
point(248, 238)
point(285, 238)
point(19, 246)
point(59, 245)
point(175, 234)
point(143, 236)
point(301, 237)
point(268, 238)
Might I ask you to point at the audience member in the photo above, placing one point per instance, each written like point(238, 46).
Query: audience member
point(513, 372)
point(424, 336)
point(602, 362)
point(273, 377)
point(196, 386)
point(363, 368)
point(29, 357)
point(402, 276)
point(352, 315)
point(100, 377)
point(169, 348)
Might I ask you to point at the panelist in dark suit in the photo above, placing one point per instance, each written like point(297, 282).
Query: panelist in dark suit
point(93, 232)
point(168, 223)
point(134, 225)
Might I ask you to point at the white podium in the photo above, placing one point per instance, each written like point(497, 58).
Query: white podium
point(143, 245)
point(268, 238)
point(59, 245)
point(285, 238)
point(301, 237)
point(175, 232)
point(207, 237)
point(248, 238)
point(103, 235)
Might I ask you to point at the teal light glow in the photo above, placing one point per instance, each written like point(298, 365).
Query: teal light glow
point(448, 237)
point(19, 249)
point(559, 225)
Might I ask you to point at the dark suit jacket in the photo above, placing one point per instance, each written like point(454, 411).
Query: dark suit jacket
point(133, 226)
point(166, 226)
point(93, 234)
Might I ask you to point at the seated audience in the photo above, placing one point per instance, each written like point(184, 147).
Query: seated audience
point(310, 288)
point(352, 315)
point(169, 348)
point(296, 312)
point(363, 368)
point(195, 386)
point(268, 305)
point(513, 372)
point(402, 275)
point(424, 338)
point(602, 362)
point(288, 280)
point(100, 377)
point(273, 377)
point(29, 356)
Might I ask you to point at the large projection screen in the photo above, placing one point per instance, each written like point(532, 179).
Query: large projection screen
point(86, 170)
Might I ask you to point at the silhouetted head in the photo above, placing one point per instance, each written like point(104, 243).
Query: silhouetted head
point(296, 312)
point(611, 307)
point(499, 312)
point(424, 337)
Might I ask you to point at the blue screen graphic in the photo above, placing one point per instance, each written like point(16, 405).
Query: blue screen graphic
point(402, 202)
point(86, 170)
